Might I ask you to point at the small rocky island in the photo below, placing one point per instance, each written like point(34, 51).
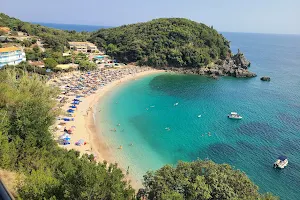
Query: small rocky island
point(265, 78)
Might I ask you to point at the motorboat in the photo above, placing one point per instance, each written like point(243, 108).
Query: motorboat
point(176, 104)
point(281, 162)
point(234, 115)
point(199, 116)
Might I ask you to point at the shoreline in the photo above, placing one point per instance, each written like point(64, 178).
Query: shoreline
point(87, 130)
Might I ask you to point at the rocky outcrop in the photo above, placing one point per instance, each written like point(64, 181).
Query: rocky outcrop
point(265, 78)
point(240, 60)
point(236, 66)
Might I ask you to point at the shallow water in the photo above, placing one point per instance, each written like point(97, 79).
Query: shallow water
point(270, 110)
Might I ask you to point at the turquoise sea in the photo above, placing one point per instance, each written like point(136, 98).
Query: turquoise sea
point(270, 126)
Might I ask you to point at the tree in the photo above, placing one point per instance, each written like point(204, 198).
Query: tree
point(200, 180)
point(26, 43)
point(87, 66)
point(36, 49)
point(50, 63)
point(33, 41)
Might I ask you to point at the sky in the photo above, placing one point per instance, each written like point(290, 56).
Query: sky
point(258, 16)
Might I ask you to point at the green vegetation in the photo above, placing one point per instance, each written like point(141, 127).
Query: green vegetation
point(24, 66)
point(50, 63)
point(27, 146)
point(164, 42)
point(200, 180)
point(28, 43)
point(54, 38)
point(87, 66)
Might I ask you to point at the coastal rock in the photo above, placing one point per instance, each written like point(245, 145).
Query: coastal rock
point(265, 78)
point(242, 73)
point(236, 66)
point(240, 60)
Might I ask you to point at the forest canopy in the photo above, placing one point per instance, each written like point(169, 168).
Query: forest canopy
point(204, 180)
point(173, 42)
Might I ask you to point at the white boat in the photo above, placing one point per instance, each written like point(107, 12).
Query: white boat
point(234, 115)
point(199, 116)
point(176, 104)
point(281, 162)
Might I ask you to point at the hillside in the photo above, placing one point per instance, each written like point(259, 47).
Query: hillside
point(54, 38)
point(174, 42)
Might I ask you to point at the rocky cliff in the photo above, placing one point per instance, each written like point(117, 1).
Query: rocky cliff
point(236, 66)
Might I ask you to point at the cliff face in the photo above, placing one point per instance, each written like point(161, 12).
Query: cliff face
point(236, 66)
point(240, 60)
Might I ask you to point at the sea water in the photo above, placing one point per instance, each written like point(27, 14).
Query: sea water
point(72, 27)
point(198, 125)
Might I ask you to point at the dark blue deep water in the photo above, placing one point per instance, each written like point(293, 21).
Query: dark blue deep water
point(270, 126)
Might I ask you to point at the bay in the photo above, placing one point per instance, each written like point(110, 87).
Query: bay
point(270, 127)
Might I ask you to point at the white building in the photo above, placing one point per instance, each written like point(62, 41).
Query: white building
point(83, 47)
point(11, 56)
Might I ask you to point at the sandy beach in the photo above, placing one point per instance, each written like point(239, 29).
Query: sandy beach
point(85, 126)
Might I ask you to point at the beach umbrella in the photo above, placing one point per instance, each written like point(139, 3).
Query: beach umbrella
point(73, 107)
point(70, 111)
point(65, 136)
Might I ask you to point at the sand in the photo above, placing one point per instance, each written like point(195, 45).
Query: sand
point(86, 128)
